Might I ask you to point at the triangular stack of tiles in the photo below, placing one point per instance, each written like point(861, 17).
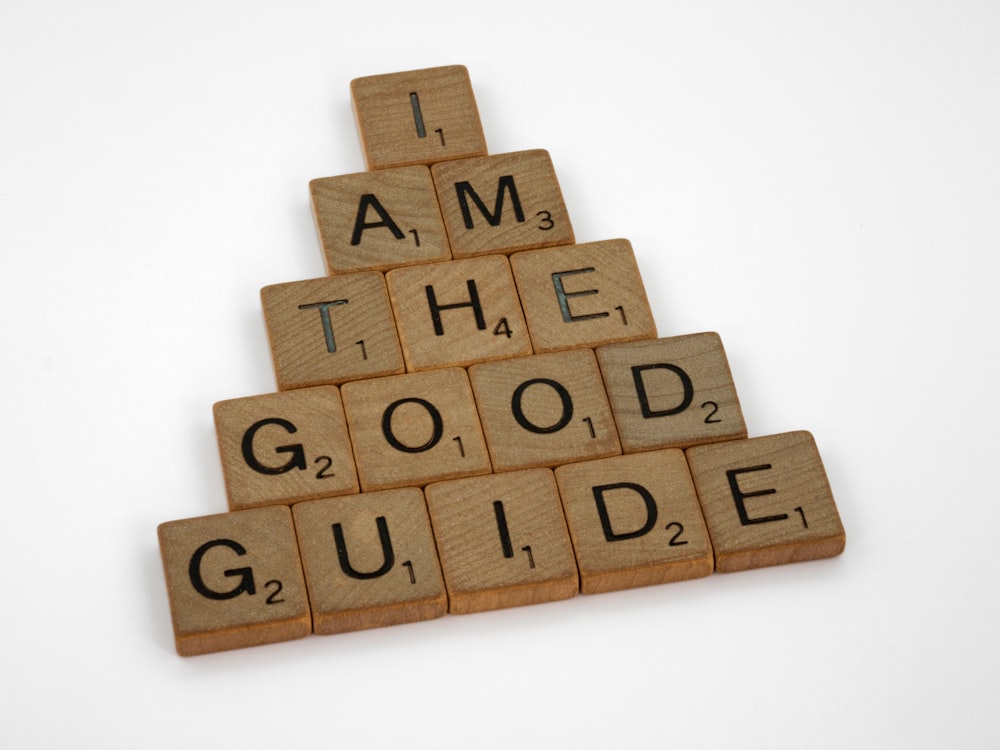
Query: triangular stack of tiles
point(474, 411)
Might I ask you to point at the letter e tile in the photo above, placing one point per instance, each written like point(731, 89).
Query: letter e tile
point(284, 447)
point(369, 560)
point(582, 295)
point(634, 521)
point(766, 501)
point(502, 541)
point(234, 580)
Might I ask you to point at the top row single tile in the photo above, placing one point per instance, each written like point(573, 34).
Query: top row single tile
point(417, 117)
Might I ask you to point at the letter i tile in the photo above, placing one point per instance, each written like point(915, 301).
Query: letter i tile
point(234, 580)
point(502, 540)
point(766, 501)
point(634, 520)
point(417, 117)
point(369, 560)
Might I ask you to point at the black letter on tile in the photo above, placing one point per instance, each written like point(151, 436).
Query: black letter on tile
point(504, 184)
point(368, 200)
point(297, 461)
point(640, 390)
point(564, 397)
point(473, 303)
point(602, 510)
point(388, 556)
point(739, 496)
point(395, 442)
point(245, 574)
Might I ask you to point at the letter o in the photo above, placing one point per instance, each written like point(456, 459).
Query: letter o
point(564, 397)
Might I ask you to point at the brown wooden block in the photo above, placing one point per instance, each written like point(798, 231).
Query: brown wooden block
point(369, 560)
point(502, 541)
point(331, 330)
point(417, 117)
point(379, 220)
point(671, 392)
point(284, 447)
point(544, 410)
point(634, 521)
point(583, 295)
point(502, 203)
point(766, 501)
point(234, 580)
point(408, 430)
point(458, 313)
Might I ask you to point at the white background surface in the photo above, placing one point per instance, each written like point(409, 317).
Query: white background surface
point(819, 183)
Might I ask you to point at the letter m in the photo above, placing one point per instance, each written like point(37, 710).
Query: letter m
point(504, 185)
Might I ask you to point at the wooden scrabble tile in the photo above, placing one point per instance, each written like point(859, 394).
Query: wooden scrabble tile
point(634, 521)
point(671, 392)
point(379, 220)
point(502, 541)
point(766, 501)
point(408, 430)
point(544, 410)
point(583, 295)
point(331, 330)
point(284, 447)
point(458, 313)
point(502, 203)
point(417, 117)
point(234, 580)
point(369, 560)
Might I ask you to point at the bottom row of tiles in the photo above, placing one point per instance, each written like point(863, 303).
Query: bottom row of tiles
point(334, 565)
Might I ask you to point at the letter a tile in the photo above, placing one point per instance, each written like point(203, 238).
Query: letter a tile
point(582, 295)
point(766, 501)
point(234, 580)
point(634, 520)
point(379, 220)
point(417, 117)
point(502, 540)
point(284, 447)
point(502, 203)
point(672, 392)
point(369, 560)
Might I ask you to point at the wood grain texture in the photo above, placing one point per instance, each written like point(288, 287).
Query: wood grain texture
point(582, 295)
point(417, 117)
point(634, 521)
point(544, 410)
point(284, 447)
point(408, 430)
point(502, 203)
point(331, 330)
point(502, 541)
point(766, 501)
point(369, 561)
point(234, 580)
point(458, 313)
point(671, 392)
point(378, 220)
